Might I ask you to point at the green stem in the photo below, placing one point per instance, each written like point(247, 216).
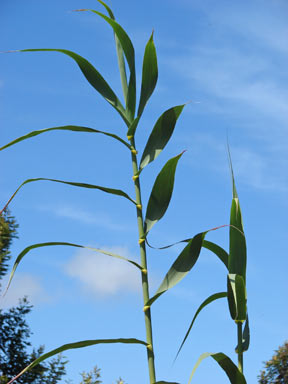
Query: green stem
point(240, 352)
point(145, 283)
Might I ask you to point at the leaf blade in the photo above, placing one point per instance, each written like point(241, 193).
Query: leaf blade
point(160, 197)
point(149, 74)
point(73, 128)
point(79, 344)
point(160, 135)
point(232, 372)
point(61, 243)
point(209, 300)
point(237, 298)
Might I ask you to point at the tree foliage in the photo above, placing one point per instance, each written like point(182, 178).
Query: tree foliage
point(8, 231)
point(276, 369)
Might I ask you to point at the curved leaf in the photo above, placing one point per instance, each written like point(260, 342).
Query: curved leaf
point(112, 191)
point(182, 265)
point(133, 126)
point(237, 297)
point(74, 128)
point(160, 135)
point(149, 74)
point(79, 344)
point(237, 242)
point(129, 52)
point(233, 373)
point(161, 193)
point(93, 77)
point(216, 249)
point(57, 243)
point(209, 300)
point(245, 337)
point(165, 382)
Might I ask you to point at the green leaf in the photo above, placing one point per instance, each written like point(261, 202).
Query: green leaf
point(93, 77)
point(160, 135)
point(245, 337)
point(79, 344)
point(237, 242)
point(129, 52)
point(74, 128)
point(149, 74)
point(237, 297)
point(57, 243)
point(233, 373)
point(112, 191)
point(182, 265)
point(209, 300)
point(133, 126)
point(165, 382)
point(120, 55)
point(161, 193)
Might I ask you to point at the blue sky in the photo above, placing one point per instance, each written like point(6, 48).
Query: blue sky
point(230, 60)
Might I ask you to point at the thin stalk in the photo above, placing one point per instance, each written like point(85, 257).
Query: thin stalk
point(144, 274)
point(240, 352)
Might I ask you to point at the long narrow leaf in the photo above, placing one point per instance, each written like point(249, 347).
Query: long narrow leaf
point(93, 77)
point(160, 135)
point(214, 248)
point(120, 55)
point(129, 52)
point(149, 74)
point(57, 243)
point(209, 300)
point(182, 265)
point(233, 373)
point(165, 382)
point(237, 241)
point(132, 127)
point(79, 344)
point(112, 191)
point(73, 128)
point(161, 193)
point(237, 297)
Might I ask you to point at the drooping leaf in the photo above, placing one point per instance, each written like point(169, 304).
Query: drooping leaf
point(232, 372)
point(129, 53)
point(245, 337)
point(160, 135)
point(93, 77)
point(161, 193)
point(112, 191)
point(237, 297)
point(149, 74)
point(182, 265)
point(214, 248)
point(120, 55)
point(209, 300)
point(79, 344)
point(57, 243)
point(237, 242)
point(73, 128)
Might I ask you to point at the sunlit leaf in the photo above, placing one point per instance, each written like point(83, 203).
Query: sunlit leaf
point(182, 265)
point(133, 126)
point(233, 373)
point(74, 128)
point(209, 300)
point(129, 52)
point(79, 344)
point(161, 193)
point(112, 191)
point(245, 337)
point(93, 77)
point(57, 243)
point(160, 135)
point(237, 242)
point(149, 74)
point(165, 382)
point(237, 297)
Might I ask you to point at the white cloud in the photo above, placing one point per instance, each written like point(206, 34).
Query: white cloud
point(23, 285)
point(103, 275)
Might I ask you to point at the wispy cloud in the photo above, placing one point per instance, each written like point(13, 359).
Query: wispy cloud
point(103, 275)
point(23, 285)
point(100, 219)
